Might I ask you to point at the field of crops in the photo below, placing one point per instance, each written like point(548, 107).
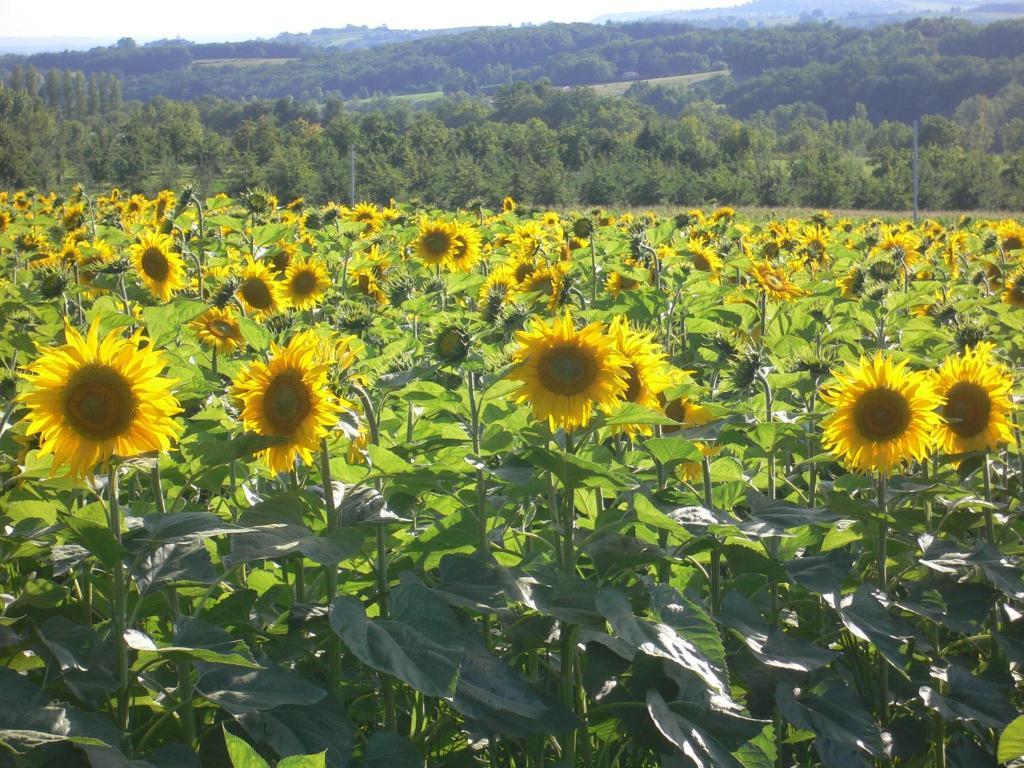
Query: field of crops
point(360, 486)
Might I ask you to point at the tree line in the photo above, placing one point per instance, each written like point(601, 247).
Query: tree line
point(537, 142)
point(899, 72)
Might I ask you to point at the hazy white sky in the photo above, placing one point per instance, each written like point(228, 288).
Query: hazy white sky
point(234, 19)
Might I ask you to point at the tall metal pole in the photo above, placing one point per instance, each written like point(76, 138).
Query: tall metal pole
point(917, 181)
point(352, 171)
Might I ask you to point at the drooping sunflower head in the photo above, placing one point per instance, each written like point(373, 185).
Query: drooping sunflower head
point(288, 398)
point(617, 283)
point(158, 265)
point(259, 292)
point(437, 242)
point(547, 283)
point(565, 372)
point(853, 283)
point(703, 258)
point(92, 399)
point(775, 283)
point(451, 344)
point(646, 365)
point(1013, 294)
point(967, 333)
point(1011, 236)
point(976, 408)
point(499, 288)
point(219, 329)
point(466, 251)
point(884, 414)
point(306, 282)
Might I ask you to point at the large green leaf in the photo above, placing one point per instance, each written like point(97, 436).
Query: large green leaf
point(421, 644)
point(968, 697)
point(323, 727)
point(771, 646)
point(1011, 741)
point(659, 640)
point(239, 691)
point(833, 714)
point(693, 743)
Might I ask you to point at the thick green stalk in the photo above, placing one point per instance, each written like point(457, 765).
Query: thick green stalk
point(333, 523)
point(716, 547)
point(883, 584)
point(119, 612)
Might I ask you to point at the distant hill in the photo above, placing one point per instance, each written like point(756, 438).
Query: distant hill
point(860, 13)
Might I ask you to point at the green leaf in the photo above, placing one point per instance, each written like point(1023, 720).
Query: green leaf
point(389, 750)
point(239, 691)
point(770, 646)
point(693, 743)
point(1011, 741)
point(868, 618)
point(968, 697)
point(575, 470)
point(323, 727)
point(255, 334)
point(631, 413)
point(240, 753)
point(658, 640)
point(672, 450)
point(836, 715)
point(305, 761)
point(164, 323)
point(421, 644)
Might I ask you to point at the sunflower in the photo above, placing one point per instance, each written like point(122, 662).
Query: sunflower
point(467, 248)
point(565, 372)
point(91, 400)
point(160, 268)
point(617, 284)
point(884, 414)
point(498, 288)
point(852, 284)
point(692, 471)
point(305, 283)
point(774, 283)
point(1014, 293)
point(367, 215)
point(646, 369)
point(703, 258)
point(688, 413)
point(368, 285)
point(259, 292)
point(288, 398)
point(508, 205)
point(1010, 235)
point(219, 329)
point(437, 242)
point(975, 391)
point(548, 282)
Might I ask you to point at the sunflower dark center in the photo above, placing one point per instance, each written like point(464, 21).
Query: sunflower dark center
point(281, 260)
point(633, 384)
point(675, 410)
point(881, 415)
point(437, 243)
point(286, 403)
point(967, 409)
point(523, 271)
point(774, 282)
point(99, 403)
point(222, 329)
point(256, 293)
point(155, 264)
point(1012, 243)
point(567, 370)
point(304, 283)
point(701, 262)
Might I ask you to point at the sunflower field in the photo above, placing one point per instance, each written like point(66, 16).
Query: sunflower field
point(366, 486)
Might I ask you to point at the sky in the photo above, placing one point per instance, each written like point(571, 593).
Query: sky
point(241, 19)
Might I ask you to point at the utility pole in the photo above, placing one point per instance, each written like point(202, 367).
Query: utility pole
point(352, 171)
point(917, 181)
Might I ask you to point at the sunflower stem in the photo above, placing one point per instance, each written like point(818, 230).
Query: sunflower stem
point(213, 361)
point(812, 471)
point(990, 529)
point(119, 611)
point(333, 523)
point(883, 582)
point(593, 270)
point(716, 546)
point(158, 491)
point(187, 715)
point(384, 604)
